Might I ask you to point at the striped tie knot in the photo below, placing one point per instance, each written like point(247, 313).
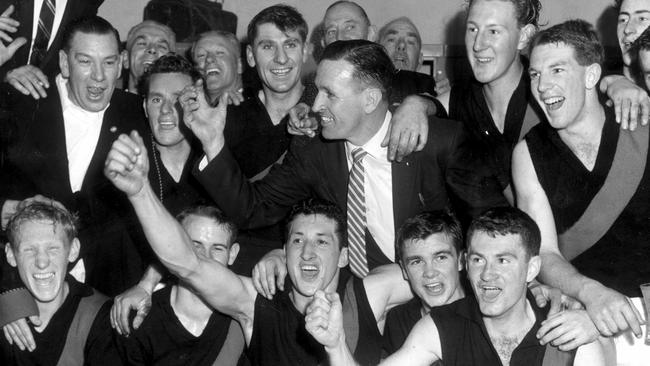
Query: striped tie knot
point(358, 154)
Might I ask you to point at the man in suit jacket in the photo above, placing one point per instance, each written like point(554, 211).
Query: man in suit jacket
point(354, 113)
point(57, 148)
point(27, 77)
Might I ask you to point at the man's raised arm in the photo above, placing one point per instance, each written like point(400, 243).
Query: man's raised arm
point(127, 167)
point(610, 310)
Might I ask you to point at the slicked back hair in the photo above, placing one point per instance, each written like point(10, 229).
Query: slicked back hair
point(286, 18)
point(421, 226)
point(42, 212)
point(314, 206)
point(130, 37)
point(372, 66)
point(213, 213)
point(384, 30)
point(527, 11)
point(167, 64)
point(504, 221)
point(579, 35)
point(89, 25)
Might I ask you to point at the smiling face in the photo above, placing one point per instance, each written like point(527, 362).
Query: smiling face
point(278, 57)
point(162, 107)
point(560, 84)
point(42, 254)
point(493, 39)
point(314, 254)
point(149, 42)
point(345, 22)
point(499, 270)
point(633, 19)
point(401, 41)
point(210, 239)
point(218, 61)
point(340, 101)
point(92, 66)
point(431, 266)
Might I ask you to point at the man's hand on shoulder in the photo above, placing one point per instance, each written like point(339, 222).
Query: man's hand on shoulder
point(136, 298)
point(19, 333)
point(270, 271)
point(611, 311)
point(409, 127)
point(568, 329)
point(29, 80)
point(127, 165)
point(206, 122)
point(631, 102)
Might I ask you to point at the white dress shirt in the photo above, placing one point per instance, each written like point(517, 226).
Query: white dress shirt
point(378, 189)
point(58, 15)
point(82, 130)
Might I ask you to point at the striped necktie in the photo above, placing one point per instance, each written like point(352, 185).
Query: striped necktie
point(44, 32)
point(357, 215)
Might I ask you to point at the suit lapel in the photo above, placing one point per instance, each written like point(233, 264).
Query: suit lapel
point(109, 132)
point(405, 190)
point(335, 171)
point(49, 139)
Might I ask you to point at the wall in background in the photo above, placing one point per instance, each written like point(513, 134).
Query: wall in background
point(432, 17)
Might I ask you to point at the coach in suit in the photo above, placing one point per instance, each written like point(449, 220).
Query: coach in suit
point(28, 72)
point(58, 145)
point(354, 114)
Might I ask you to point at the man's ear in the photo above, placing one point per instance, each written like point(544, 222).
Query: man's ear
point(75, 246)
point(592, 75)
point(63, 64)
point(372, 33)
point(465, 259)
point(250, 58)
point(534, 265)
point(404, 274)
point(144, 106)
point(420, 61)
point(9, 252)
point(343, 257)
point(461, 261)
point(125, 59)
point(372, 100)
point(525, 35)
point(232, 253)
point(240, 66)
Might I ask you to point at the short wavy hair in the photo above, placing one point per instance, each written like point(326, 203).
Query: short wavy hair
point(527, 11)
point(42, 212)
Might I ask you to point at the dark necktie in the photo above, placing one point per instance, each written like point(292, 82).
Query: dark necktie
point(44, 32)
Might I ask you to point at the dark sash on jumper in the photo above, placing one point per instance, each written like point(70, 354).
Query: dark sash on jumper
point(73, 351)
point(531, 119)
point(620, 186)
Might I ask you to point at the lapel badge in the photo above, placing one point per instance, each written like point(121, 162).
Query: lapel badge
point(113, 129)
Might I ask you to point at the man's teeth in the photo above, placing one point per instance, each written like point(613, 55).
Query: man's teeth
point(483, 59)
point(309, 268)
point(214, 71)
point(553, 100)
point(437, 286)
point(281, 72)
point(43, 276)
point(326, 119)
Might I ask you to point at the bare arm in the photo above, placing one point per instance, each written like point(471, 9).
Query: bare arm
point(386, 288)
point(610, 311)
point(127, 167)
point(422, 347)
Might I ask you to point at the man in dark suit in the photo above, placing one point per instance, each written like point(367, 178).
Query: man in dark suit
point(57, 148)
point(29, 73)
point(354, 113)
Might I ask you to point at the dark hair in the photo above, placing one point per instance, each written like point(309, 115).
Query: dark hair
point(617, 4)
point(527, 11)
point(423, 225)
point(39, 211)
point(90, 25)
point(642, 43)
point(167, 64)
point(372, 66)
point(576, 33)
point(364, 15)
point(314, 206)
point(285, 17)
point(508, 221)
point(212, 213)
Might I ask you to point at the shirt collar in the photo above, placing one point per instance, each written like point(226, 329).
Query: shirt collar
point(66, 102)
point(373, 146)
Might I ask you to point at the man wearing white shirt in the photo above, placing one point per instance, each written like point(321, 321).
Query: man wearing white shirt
point(57, 147)
point(29, 73)
point(352, 79)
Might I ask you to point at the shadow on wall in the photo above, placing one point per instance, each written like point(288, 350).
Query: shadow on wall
point(456, 65)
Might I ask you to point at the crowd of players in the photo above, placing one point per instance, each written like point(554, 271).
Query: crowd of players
point(357, 215)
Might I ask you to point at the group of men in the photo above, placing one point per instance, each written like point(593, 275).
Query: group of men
point(365, 213)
